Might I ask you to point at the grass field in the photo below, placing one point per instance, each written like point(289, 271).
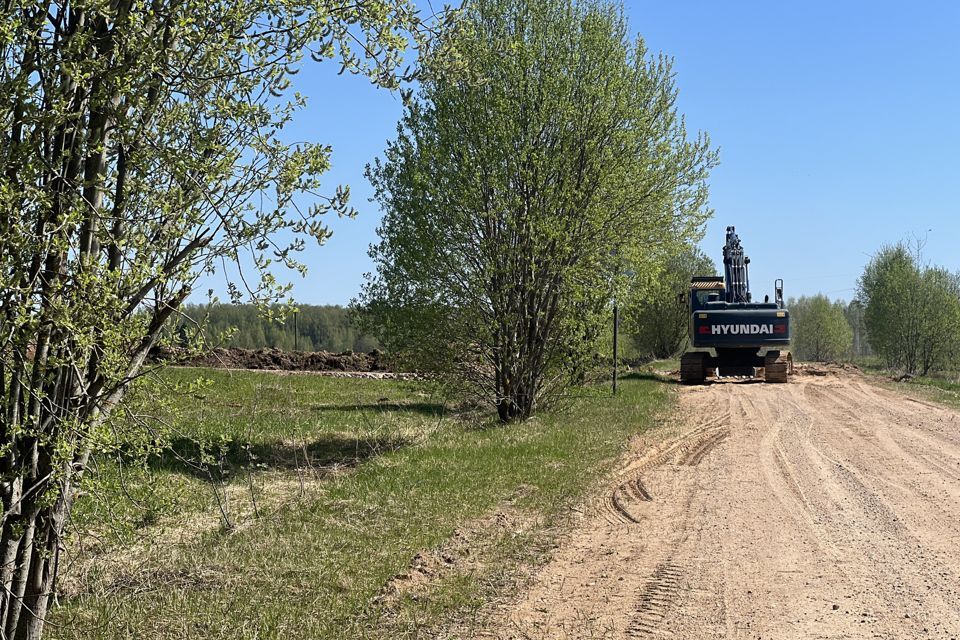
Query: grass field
point(356, 508)
point(938, 388)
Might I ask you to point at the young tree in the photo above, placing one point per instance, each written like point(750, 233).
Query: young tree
point(657, 322)
point(939, 320)
point(889, 288)
point(140, 147)
point(820, 329)
point(912, 311)
point(515, 197)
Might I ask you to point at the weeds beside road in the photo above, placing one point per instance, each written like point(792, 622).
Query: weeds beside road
point(379, 511)
point(941, 387)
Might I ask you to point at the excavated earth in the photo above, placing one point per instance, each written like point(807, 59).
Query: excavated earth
point(823, 508)
point(276, 360)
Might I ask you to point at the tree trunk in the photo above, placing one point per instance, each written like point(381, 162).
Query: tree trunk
point(31, 546)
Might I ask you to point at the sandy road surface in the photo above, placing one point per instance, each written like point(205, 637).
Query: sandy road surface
point(826, 508)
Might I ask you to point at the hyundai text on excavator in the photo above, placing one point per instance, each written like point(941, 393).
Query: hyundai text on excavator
point(730, 335)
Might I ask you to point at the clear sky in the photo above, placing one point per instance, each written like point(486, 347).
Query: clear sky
point(837, 124)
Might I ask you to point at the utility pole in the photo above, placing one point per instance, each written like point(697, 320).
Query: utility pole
point(296, 330)
point(856, 330)
point(616, 331)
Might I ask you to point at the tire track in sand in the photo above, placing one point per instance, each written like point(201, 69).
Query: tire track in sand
point(655, 600)
point(813, 520)
point(619, 503)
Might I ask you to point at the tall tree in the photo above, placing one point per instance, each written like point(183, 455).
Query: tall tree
point(140, 146)
point(889, 288)
point(912, 310)
point(517, 195)
point(820, 329)
point(657, 323)
point(940, 320)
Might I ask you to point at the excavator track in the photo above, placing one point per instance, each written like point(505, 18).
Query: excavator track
point(692, 369)
point(777, 366)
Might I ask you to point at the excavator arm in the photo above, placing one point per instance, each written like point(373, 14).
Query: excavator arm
point(736, 267)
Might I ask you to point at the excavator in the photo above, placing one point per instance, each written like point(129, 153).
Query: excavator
point(730, 334)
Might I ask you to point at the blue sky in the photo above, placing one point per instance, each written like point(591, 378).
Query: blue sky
point(837, 124)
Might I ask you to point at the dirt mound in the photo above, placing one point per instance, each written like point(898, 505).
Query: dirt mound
point(275, 360)
point(824, 368)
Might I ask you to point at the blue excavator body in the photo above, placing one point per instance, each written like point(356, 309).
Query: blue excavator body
point(730, 334)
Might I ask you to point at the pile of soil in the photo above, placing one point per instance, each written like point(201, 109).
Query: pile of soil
point(824, 368)
point(275, 359)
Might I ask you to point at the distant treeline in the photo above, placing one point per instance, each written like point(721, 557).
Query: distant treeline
point(318, 328)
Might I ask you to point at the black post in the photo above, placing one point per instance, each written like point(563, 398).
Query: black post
point(616, 331)
point(856, 332)
point(296, 330)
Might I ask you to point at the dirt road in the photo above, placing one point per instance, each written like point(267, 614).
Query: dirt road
point(826, 508)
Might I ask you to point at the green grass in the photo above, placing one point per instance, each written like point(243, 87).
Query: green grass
point(939, 387)
point(407, 478)
point(664, 366)
point(266, 424)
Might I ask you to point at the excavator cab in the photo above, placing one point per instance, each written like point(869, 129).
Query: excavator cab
point(705, 290)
